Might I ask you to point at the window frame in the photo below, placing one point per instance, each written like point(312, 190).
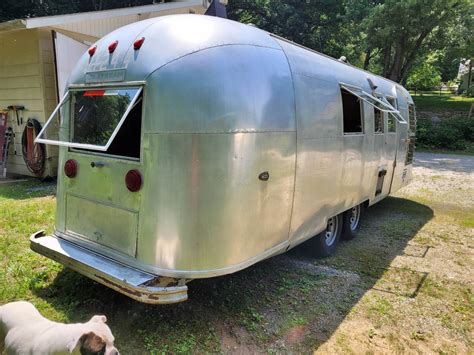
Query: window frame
point(411, 118)
point(379, 102)
point(361, 109)
point(382, 116)
point(67, 100)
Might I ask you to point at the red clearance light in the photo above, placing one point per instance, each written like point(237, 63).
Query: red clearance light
point(138, 43)
point(94, 93)
point(92, 50)
point(133, 180)
point(112, 46)
point(70, 168)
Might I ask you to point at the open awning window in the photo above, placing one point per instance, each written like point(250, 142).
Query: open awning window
point(378, 102)
point(89, 118)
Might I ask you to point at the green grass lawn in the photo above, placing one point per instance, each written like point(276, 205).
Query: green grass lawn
point(436, 102)
point(378, 293)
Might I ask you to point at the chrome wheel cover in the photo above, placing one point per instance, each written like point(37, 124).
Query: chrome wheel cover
point(355, 217)
point(331, 231)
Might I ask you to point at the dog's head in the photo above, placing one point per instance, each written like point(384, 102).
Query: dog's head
point(97, 339)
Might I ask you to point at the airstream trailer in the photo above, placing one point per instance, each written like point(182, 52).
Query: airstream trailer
point(193, 146)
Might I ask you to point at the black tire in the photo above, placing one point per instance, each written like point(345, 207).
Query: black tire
point(325, 243)
point(351, 222)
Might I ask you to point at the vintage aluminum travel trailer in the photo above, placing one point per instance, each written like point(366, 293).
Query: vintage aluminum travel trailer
point(193, 146)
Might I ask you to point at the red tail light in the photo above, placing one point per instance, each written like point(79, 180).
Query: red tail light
point(112, 46)
point(92, 50)
point(94, 93)
point(138, 43)
point(70, 168)
point(133, 180)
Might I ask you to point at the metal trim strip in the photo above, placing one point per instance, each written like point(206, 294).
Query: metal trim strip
point(104, 270)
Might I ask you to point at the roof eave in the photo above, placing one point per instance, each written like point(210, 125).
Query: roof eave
point(49, 21)
point(12, 25)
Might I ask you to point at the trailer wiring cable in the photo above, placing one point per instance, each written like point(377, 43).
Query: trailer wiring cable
point(34, 154)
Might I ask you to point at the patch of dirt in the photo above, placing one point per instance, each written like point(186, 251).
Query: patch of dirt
point(310, 266)
point(444, 178)
point(296, 334)
point(236, 340)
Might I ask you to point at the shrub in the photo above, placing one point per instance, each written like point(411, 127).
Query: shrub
point(455, 133)
point(424, 77)
point(470, 92)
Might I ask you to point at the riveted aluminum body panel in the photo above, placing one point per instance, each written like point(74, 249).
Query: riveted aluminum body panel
point(334, 171)
point(209, 209)
point(110, 226)
point(224, 103)
point(227, 89)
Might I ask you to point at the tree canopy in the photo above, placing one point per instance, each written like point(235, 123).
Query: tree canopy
point(17, 9)
point(389, 37)
point(392, 38)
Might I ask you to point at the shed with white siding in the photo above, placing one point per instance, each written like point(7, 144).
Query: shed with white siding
point(37, 55)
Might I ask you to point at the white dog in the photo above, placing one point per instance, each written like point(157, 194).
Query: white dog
point(23, 330)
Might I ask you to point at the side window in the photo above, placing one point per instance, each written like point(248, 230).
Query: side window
point(412, 118)
point(391, 124)
point(352, 115)
point(378, 121)
point(392, 127)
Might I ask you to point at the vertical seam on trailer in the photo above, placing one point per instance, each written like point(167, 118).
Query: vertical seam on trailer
point(137, 232)
point(296, 145)
point(205, 49)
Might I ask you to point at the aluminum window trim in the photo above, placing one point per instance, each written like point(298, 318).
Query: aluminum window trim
point(387, 107)
point(50, 119)
point(398, 116)
point(82, 145)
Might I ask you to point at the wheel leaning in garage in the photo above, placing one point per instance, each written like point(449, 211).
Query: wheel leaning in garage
point(325, 243)
point(351, 222)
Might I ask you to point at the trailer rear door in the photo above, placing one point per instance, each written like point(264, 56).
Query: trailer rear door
point(101, 128)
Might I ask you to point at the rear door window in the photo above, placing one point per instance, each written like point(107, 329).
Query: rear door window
point(89, 119)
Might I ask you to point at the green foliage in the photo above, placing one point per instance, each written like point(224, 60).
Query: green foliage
point(321, 25)
point(424, 77)
point(455, 133)
point(18, 9)
point(469, 92)
point(389, 37)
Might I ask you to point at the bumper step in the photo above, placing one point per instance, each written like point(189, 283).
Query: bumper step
point(124, 279)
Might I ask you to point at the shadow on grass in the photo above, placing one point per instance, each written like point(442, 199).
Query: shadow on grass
point(254, 310)
point(27, 189)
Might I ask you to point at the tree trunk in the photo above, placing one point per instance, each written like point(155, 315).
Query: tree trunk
point(367, 58)
point(396, 69)
point(386, 59)
point(410, 57)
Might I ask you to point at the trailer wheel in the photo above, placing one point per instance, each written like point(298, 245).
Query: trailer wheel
point(351, 222)
point(325, 243)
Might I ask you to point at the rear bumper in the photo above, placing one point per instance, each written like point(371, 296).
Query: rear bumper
point(122, 278)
